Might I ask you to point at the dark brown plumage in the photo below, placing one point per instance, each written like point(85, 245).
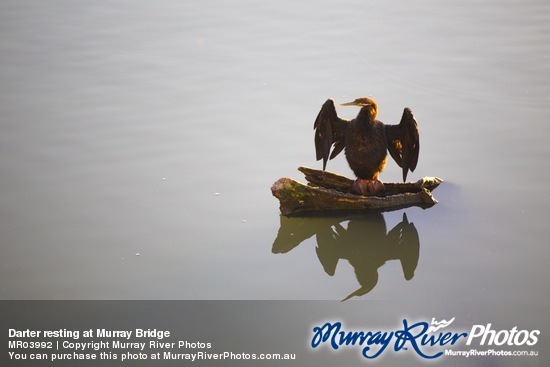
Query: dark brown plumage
point(366, 142)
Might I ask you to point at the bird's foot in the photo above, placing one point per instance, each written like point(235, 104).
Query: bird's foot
point(368, 187)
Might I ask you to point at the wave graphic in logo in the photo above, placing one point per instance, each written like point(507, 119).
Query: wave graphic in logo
point(439, 325)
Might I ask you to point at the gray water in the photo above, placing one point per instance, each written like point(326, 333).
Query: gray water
point(139, 142)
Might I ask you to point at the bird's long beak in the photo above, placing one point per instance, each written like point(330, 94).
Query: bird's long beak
point(349, 104)
point(354, 103)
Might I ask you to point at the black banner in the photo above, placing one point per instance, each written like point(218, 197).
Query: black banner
point(256, 333)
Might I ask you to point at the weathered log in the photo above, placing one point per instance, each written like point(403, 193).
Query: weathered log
point(329, 193)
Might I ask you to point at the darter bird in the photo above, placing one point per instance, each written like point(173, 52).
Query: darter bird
point(366, 142)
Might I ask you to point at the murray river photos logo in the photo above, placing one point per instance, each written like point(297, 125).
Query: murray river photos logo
point(427, 340)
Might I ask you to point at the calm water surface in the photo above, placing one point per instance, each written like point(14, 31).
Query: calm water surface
point(139, 142)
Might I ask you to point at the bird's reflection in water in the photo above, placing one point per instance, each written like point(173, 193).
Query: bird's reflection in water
point(364, 243)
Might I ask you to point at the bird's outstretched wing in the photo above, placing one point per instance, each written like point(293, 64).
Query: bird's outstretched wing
point(404, 142)
point(329, 131)
point(405, 237)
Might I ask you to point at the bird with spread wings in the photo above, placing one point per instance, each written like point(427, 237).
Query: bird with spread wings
point(365, 142)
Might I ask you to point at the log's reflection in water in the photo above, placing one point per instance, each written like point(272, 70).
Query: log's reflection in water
point(365, 243)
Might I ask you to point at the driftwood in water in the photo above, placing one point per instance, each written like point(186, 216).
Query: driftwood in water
point(328, 193)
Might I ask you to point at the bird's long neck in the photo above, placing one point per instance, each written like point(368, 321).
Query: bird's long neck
point(367, 114)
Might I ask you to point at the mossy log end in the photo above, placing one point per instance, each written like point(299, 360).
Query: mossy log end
point(329, 193)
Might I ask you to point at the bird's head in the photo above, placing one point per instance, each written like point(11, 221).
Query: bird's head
point(365, 103)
